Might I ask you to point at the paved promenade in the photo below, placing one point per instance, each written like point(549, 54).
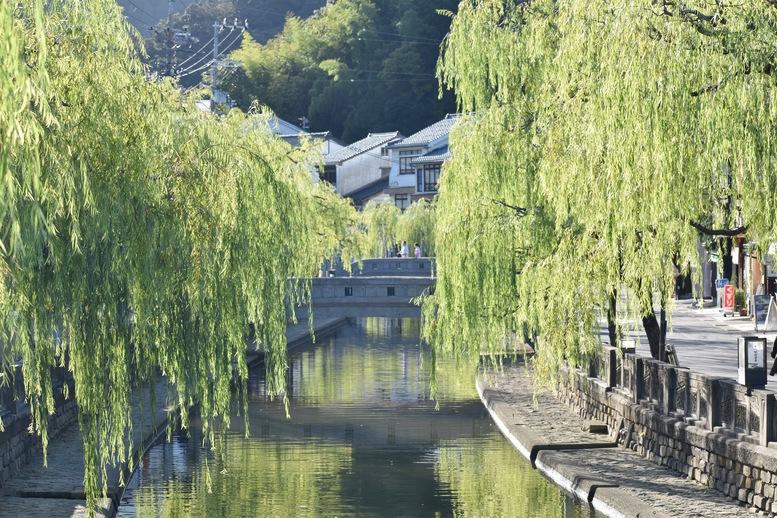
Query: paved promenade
point(57, 490)
point(619, 482)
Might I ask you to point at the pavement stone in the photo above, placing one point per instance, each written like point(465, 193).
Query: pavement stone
point(635, 486)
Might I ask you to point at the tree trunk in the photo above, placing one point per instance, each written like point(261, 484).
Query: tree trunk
point(653, 332)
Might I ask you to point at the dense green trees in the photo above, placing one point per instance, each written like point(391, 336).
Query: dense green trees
point(608, 136)
point(355, 66)
point(138, 235)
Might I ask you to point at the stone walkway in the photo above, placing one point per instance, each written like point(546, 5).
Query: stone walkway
point(57, 490)
point(618, 482)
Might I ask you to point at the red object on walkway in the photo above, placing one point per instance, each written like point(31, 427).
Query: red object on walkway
point(728, 297)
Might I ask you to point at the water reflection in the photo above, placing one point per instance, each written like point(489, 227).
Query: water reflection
point(364, 439)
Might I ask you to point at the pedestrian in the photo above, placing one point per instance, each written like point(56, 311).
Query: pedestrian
point(417, 252)
point(405, 252)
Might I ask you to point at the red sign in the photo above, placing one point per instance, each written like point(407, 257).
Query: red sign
point(728, 297)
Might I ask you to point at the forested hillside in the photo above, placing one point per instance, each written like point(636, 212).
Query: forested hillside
point(348, 66)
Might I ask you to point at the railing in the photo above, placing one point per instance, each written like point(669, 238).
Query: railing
point(716, 404)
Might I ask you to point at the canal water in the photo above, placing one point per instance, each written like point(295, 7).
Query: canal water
point(364, 439)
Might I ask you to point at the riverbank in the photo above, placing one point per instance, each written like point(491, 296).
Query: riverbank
point(615, 481)
point(57, 490)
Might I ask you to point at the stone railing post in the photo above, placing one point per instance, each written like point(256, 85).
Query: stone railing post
point(638, 379)
point(765, 433)
point(713, 404)
point(668, 387)
point(610, 367)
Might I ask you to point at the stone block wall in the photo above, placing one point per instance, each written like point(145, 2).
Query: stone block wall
point(18, 445)
point(715, 458)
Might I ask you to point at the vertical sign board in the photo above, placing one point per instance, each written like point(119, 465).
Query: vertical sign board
point(751, 368)
point(728, 298)
point(761, 305)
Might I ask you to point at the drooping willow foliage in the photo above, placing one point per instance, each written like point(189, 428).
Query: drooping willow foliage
point(139, 236)
point(386, 226)
point(604, 135)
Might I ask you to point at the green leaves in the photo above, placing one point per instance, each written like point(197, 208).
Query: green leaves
point(613, 125)
point(148, 234)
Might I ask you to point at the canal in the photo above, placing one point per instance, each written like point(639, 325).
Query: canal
point(364, 439)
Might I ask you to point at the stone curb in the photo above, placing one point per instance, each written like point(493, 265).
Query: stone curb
point(604, 496)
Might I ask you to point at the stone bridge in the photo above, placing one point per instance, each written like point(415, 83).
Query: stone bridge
point(379, 288)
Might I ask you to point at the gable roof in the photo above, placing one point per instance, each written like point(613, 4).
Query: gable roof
point(372, 141)
point(295, 138)
point(439, 155)
point(429, 134)
point(368, 190)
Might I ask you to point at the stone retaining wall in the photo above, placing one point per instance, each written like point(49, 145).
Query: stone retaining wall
point(721, 455)
point(17, 444)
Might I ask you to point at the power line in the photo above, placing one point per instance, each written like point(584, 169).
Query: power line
point(195, 54)
point(203, 58)
point(151, 16)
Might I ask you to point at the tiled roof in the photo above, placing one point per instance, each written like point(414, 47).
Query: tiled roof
point(368, 190)
point(372, 141)
point(438, 155)
point(430, 133)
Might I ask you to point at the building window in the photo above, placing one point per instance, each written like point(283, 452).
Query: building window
point(404, 161)
point(330, 174)
point(384, 151)
point(390, 291)
point(401, 201)
point(349, 291)
point(428, 177)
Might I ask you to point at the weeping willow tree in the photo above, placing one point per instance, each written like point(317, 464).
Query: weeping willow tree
point(380, 223)
point(386, 226)
point(607, 138)
point(416, 225)
point(139, 236)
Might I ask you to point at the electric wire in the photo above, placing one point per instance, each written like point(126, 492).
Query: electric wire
point(151, 16)
point(194, 55)
point(183, 72)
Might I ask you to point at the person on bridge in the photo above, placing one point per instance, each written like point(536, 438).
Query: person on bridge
point(417, 252)
point(405, 252)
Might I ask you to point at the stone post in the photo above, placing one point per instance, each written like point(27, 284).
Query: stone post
point(713, 404)
point(766, 402)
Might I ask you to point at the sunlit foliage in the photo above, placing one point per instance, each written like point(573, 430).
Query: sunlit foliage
point(605, 135)
point(138, 235)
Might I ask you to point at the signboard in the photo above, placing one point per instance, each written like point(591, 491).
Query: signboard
point(720, 283)
point(760, 308)
point(751, 365)
point(728, 298)
point(756, 354)
point(765, 312)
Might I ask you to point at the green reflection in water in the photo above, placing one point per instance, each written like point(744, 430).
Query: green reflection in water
point(364, 439)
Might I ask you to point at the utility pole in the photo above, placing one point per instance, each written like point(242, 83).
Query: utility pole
point(169, 37)
point(217, 63)
point(175, 38)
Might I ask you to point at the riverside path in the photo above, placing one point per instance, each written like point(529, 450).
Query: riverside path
point(619, 482)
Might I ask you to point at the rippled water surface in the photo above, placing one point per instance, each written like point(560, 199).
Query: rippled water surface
point(364, 439)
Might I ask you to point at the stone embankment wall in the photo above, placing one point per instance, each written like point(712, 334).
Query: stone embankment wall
point(17, 444)
point(710, 429)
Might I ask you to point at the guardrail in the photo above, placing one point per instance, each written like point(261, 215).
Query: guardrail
point(712, 403)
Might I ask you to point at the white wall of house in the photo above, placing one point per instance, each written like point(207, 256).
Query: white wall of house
point(361, 170)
